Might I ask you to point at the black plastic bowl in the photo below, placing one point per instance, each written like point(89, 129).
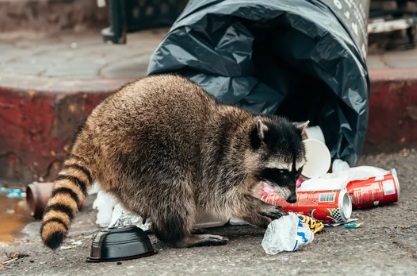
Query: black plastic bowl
point(116, 244)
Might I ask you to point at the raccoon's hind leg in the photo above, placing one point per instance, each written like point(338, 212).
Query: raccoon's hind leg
point(173, 221)
point(174, 228)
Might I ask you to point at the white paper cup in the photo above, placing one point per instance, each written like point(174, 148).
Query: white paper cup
point(315, 132)
point(318, 158)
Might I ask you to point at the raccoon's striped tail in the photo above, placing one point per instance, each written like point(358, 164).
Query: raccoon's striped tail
point(69, 192)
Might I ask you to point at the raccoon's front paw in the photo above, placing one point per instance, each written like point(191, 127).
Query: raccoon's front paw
point(273, 212)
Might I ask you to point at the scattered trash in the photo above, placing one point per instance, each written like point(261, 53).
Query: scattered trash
point(327, 205)
point(117, 244)
point(314, 225)
point(330, 198)
point(318, 158)
point(121, 217)
point(287, 233)
point(37, 197)
point(352, 225)
point(334, 224)
point(356, 173)
point(3, 190)
point(104, 204)
point(367, 186)
point(15, 193)
point(339, 166)
point(95, 188)
point(325, 201)
point(375, 190)
point(314, 132)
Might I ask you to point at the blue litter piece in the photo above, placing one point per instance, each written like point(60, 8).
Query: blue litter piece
point(15, 193)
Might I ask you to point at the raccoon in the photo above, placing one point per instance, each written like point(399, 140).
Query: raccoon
point(163, 147)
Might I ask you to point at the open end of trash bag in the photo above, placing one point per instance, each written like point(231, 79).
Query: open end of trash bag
point(296, 58)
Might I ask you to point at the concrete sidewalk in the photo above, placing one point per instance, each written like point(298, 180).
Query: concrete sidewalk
point(49, 85)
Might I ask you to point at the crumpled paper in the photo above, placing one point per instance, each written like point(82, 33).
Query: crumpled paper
point(287, 233)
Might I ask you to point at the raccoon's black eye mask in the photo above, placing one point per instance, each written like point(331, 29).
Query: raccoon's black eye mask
point(279, 176)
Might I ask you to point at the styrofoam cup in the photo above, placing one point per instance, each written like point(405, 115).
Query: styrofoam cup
point(318, 158)
point(315, 132)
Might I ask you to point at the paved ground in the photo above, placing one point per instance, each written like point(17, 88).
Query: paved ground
point(73, 61)
point(50, 15)
point(45, 62)
point(385, 244)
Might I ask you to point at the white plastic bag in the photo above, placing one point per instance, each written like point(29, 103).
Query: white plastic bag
point(104, 204)
point(287, 233)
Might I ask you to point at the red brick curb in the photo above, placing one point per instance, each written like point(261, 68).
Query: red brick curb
point(38, 126)
point(393, 106)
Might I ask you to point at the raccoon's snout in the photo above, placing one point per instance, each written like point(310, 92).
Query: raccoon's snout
point(286, 192)
point(292, 198)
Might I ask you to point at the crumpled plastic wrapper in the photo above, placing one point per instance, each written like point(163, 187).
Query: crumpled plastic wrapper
point(287, 233)
point(112, 214)
point(314, 225)
point(121, 217)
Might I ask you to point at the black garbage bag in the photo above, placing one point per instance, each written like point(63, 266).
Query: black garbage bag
point(303, 59)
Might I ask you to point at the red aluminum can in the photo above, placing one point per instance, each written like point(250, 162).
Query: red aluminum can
point(374, 191)
point(328, 206)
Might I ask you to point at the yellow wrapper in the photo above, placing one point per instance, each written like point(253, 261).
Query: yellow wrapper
point(314, 225)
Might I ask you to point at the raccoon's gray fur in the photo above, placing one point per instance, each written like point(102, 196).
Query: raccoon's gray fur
point(163, 146)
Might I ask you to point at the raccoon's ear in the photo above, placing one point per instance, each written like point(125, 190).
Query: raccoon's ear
point(261, 129)
point(302, 127)
point(257, 134)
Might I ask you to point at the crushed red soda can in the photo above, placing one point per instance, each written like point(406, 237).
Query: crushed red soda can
point(374, 191)
point(367, 186)
point(328, 206)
